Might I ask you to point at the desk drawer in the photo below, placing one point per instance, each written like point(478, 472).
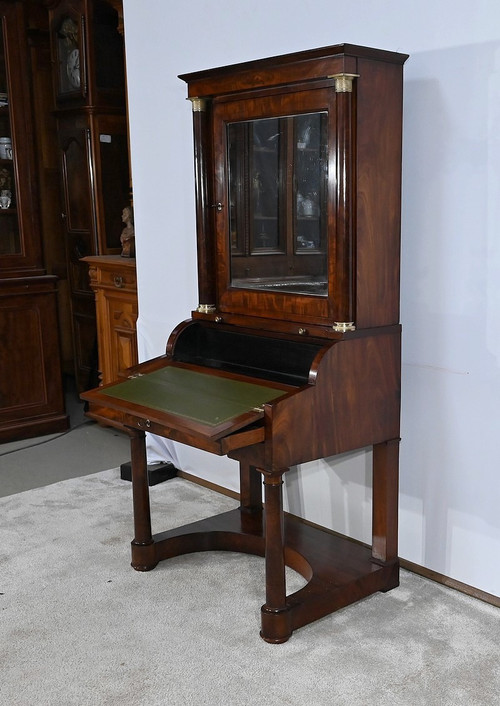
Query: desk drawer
point(123, 279)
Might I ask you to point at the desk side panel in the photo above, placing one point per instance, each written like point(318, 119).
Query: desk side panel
point(355, 402)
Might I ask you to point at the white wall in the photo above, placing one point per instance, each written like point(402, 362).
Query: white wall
point(450, 485)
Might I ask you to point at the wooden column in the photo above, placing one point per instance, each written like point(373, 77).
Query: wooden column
point(143, 548)
point(275, 616)
point(206, 246)
point(250, 488)
point(344, 313)
point(385, 501)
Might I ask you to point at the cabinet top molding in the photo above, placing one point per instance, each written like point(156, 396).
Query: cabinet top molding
point(313, 64)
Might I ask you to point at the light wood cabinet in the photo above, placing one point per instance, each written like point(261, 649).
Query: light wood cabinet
point(113, 280)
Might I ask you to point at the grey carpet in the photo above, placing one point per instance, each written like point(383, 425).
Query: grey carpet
point(80, 627)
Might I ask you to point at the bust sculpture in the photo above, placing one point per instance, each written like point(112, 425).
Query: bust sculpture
point(127, 238)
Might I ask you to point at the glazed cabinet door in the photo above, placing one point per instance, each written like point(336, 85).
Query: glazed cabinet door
point(96, 188)
point(278, 223)
point(20, 247)
point(282, 177)
point(79, 220)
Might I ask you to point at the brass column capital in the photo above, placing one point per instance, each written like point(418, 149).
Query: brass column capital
point(199, 105)
point(206, 308)
point(343, 82)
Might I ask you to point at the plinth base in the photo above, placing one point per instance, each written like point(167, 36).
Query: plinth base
point(339, 571)
point(157, 472)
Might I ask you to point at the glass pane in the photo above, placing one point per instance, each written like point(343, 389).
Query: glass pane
point(266, 139)
point(10, 243)
point(254, 164)
point(115, 184)
point(308, 175)
point(278, 170)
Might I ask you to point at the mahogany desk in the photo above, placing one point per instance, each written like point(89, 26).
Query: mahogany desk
point(269, 425)
point(293, 353)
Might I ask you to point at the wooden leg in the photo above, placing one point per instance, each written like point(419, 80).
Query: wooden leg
point(250, 488)
point(275, 615)
point(385, 501)
point(251, 515)
point(143, 550)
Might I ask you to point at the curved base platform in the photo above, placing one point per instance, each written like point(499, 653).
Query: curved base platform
point(339, 571)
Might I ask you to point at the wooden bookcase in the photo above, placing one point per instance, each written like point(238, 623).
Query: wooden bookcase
point(31, 393)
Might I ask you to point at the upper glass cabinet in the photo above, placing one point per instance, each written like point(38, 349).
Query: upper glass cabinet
point(277, 183)
point(298, 187)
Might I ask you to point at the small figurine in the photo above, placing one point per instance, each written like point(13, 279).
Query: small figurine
point(69, 30)
point(127, 238)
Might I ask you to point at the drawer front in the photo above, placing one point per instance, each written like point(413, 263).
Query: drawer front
point(118, 279)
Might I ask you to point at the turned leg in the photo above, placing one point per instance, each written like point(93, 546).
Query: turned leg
point(385, 501)
point(142, 544)
point(275, 615)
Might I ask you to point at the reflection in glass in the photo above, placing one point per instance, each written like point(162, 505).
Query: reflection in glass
point(277, 193)
point(10, 242)
point(115, 184)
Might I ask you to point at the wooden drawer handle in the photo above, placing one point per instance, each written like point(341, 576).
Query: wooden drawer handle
point(118, 280)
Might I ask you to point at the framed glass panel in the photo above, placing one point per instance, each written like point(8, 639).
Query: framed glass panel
point(115, 180)
point(310, 176)
point(10, 242)
point(278, 173)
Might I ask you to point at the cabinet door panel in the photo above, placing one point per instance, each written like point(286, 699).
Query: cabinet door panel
point(122, 315)
point(79, 226)
point(113, 176)
point(75, 165)
point(275, 157)
point(22, 386)
point(31, 399)
point(20, 244)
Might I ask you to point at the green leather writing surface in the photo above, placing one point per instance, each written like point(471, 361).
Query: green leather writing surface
point(208, 399)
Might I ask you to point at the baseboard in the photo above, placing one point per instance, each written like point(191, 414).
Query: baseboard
point(450, 583)
point(404, 563)
point(207, 484)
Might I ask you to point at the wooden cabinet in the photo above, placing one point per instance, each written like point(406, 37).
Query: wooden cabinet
point(89, 96)
point(293, 353)
point(113, 280)
point(31, 397)
point(95, 187)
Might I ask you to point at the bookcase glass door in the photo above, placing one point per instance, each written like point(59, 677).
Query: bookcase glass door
point(278, 175)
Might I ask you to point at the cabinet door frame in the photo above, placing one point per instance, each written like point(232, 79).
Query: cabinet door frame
point(337, 305)
point(28, 257)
